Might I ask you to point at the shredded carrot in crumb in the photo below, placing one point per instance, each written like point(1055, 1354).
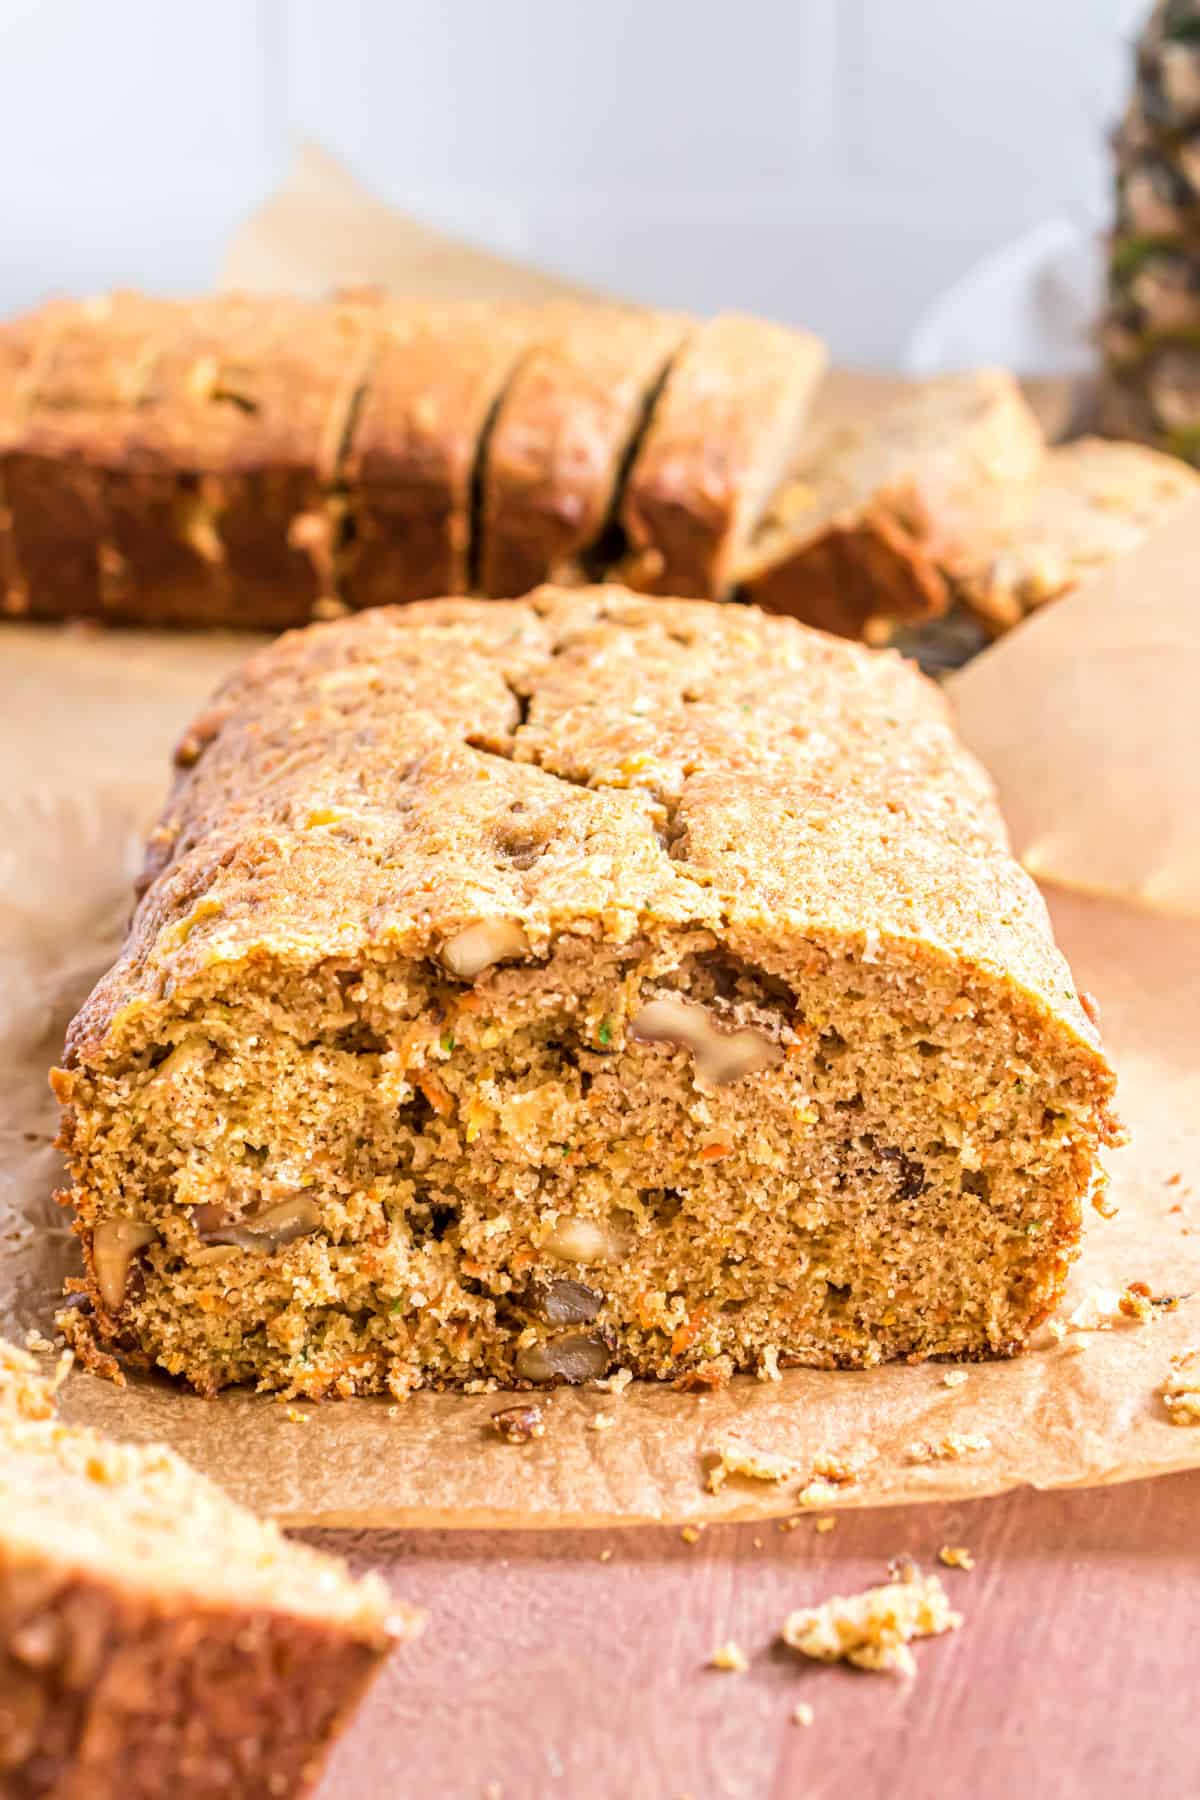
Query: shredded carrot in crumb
point(469, 1003)
point(436, 1094)
point(521, 1259)
point(472, 1268)
point(645, 1312)
point(687, 1333)
point(713, 1152)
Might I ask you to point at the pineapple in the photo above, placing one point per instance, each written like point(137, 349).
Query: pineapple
point(1150, 333)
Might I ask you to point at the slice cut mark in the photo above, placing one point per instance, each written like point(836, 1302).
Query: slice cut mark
point(237, 451)
point(723, 432)
point(410, 468)
point(562, 437)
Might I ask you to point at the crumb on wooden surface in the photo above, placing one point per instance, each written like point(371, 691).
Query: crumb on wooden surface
point(729, 1657)
point(1181, 1389)
point(606, 1556)
point(951, 1448)
point(295, 1415)
point(740, 1459)
point(817, 1493)
point(872, 1630)
point(954, 1378)
point(691, 1534)
point(827, 1523)
point(602, 1421)
point(956, 1556)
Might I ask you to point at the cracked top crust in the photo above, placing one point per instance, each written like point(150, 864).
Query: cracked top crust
point(584, 760)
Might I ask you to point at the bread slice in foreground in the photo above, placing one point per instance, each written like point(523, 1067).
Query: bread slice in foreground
point(878, 517)
point(724, 430)
point(561, 440)
point(1095, 502)
point(154, 1637)
point(530, 989)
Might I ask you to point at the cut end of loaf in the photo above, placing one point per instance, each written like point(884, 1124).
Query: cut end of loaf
point(513, 1036)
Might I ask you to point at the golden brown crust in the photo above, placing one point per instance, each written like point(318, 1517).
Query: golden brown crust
point(443, 677)
point(877, 518)
point(414, 451)
point(560, 441)
point(723, 431)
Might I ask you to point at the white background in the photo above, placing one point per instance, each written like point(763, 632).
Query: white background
point(831, 162)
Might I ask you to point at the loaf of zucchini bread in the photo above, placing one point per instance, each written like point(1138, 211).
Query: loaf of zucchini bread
point(156, 1638)
point(262, 461)
point(527, 990)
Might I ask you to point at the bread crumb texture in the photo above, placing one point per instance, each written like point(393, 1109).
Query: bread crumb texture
point(572, 988)
point(873, 1629)
point(729, 1657)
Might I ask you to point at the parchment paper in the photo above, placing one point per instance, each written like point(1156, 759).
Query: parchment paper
point(86, 727)
point(1087, 717)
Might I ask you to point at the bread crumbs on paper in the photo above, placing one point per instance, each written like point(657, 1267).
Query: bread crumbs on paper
point(803, 1714)
point(818, 1493)
point(606, 1556)
point(736, 1459)
point(872, 1630)
point(954, 1378)
point(614, 1384)
point(691, 1534)
point(956, 1556)
point(1181, 1389)
point(828, 1523)
point(294, 1416)
point(601, 1421)
point(729, 1657)
point(951, 1448)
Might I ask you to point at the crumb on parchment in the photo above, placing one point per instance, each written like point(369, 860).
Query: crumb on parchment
point(1181, 1389)
point(954, 1378)
point(951, 1448)
point(730, 1657)
point(739, 1459)
point(803, 1714)
point(873, 1630)
point(691, 1534)
point(519, 1424)
point(601, 1421)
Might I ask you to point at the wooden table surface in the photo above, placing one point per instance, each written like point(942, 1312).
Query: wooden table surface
point(551, 1668)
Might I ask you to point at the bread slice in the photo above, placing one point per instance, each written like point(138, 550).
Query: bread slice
point(224, 515)
point(526, 990)
point(561, 441)
point(1095, 502)
point(878, 516)
point(724, 430)
point(86, 366)
point(417, 445)
point(155, 1638)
